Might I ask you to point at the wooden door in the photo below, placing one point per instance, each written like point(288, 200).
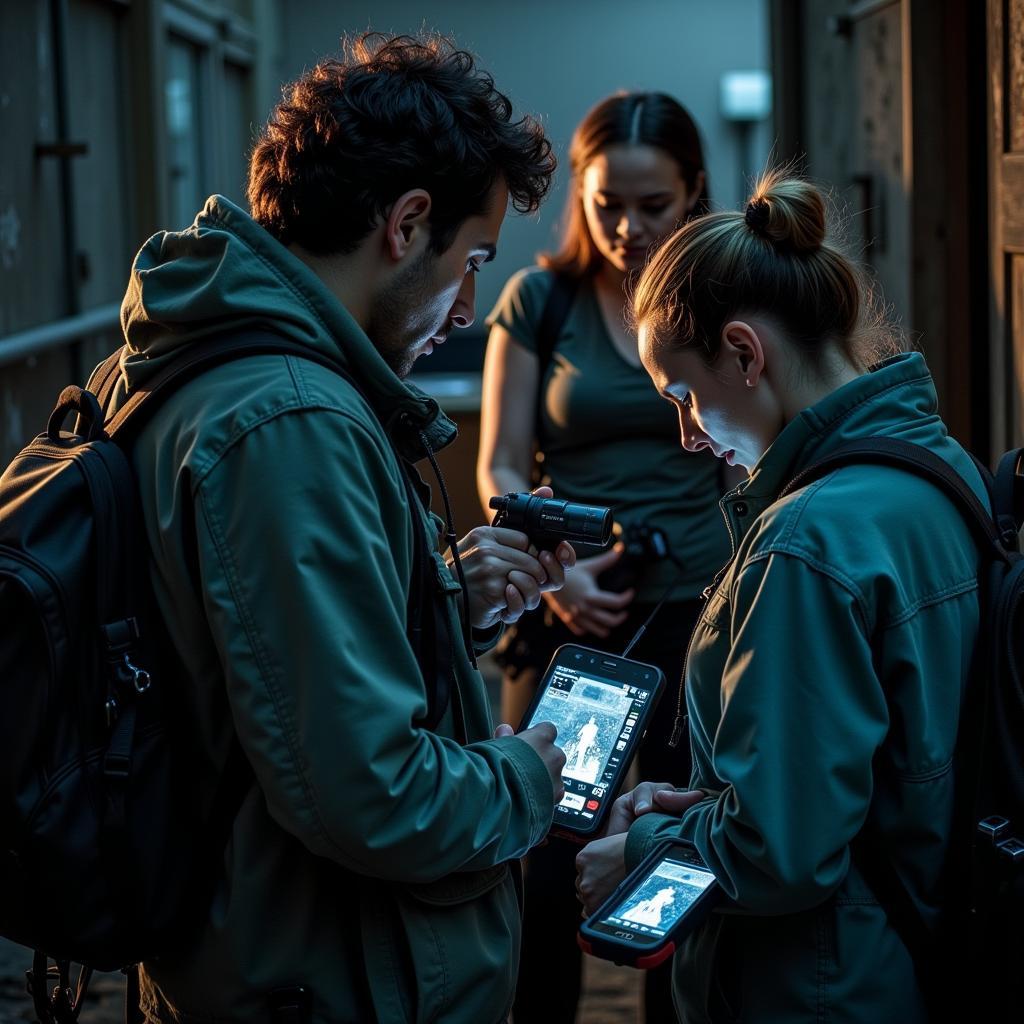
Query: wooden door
point(1006, 219)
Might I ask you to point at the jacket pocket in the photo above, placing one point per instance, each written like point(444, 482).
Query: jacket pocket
point(442, 951)
point(867, 965)
point(707, 973)
point(459, 888)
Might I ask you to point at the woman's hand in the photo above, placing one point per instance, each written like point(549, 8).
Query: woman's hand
point(661, 797)
point(600, 866)
point(583, 606)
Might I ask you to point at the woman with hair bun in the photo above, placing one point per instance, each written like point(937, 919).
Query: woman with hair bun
point(825, 677)
point(563, 374)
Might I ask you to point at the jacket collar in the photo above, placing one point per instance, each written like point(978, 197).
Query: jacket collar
point(896, 398)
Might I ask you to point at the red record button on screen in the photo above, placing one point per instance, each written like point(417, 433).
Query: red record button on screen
point(592, 805)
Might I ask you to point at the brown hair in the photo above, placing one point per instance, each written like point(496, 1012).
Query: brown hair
point(773, 259)
point(627, 118)
point(395, 114)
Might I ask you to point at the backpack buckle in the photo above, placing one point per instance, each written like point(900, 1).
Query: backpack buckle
point(1008, 533)
point(120, 638)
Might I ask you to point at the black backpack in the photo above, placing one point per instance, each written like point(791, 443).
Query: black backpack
point(973, 967)
point(101, 861)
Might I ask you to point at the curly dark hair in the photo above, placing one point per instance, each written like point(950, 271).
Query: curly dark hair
point(396, 113)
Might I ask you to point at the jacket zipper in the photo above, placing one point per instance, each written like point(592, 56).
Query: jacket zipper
point(679, 724)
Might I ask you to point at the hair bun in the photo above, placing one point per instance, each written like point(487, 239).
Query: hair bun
point(758, 212)
point(788, 213)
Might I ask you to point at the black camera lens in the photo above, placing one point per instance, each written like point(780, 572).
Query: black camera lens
point(546, 521)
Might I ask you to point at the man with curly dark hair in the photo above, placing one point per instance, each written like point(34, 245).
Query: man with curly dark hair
point(369, 869)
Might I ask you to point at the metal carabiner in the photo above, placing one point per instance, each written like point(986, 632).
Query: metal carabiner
point(141, 679)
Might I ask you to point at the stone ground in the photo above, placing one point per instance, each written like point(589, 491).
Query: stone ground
point(106, 992)
point(611, 995)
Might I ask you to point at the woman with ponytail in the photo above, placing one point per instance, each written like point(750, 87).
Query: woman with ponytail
point(563, 375)
point(825, 677)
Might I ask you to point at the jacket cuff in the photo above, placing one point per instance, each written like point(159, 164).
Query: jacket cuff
point(644, 834)
point(536, 783)
point(485, 639)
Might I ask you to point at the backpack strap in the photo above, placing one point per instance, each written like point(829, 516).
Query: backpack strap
point(552, 318)
point(1008, 495)
point(105, 377)
point(199, 358)
point(426, 625)
point(891, 451)
point(559, 301)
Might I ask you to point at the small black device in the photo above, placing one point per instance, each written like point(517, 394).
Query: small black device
point(600, 704)
point(643, 545)
point(668, 894)
point(546, 521)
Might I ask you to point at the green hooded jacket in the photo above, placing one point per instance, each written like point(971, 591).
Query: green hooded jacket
point(824, 684)
point(370, 859)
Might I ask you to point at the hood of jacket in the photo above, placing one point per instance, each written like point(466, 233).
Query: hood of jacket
point(224, 275)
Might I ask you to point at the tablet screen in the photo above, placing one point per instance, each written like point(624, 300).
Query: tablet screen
point(596, 719)
point(658, 903)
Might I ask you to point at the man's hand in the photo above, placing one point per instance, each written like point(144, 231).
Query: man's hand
point(600, 866)
point(542, 738)
point(662, 797)
point(503, 578)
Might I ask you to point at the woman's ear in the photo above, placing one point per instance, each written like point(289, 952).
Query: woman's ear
point(407, 220)
point(696, 193)
point(742, 352)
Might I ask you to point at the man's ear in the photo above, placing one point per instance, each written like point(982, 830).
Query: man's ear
point(408, 223)
point(698, 188)
point(742, 352)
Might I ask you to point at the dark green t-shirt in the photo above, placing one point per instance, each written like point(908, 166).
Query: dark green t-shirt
point(609, 439)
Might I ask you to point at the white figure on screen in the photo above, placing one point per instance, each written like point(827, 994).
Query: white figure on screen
point(584, 741)
point(649, 911)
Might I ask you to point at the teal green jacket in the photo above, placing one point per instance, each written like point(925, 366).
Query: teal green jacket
point(370, 858)
point(824, 683)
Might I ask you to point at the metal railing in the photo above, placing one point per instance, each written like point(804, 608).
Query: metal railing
point(17, 347)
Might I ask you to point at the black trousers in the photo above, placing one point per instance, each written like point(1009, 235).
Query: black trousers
point(548, 989)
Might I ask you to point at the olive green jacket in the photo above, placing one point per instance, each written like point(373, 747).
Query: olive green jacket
point(370, 858)
point(823, 688)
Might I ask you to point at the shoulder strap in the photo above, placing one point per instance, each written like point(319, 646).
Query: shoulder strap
point(891, 451)
point(202, 356)
point(552, 319)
